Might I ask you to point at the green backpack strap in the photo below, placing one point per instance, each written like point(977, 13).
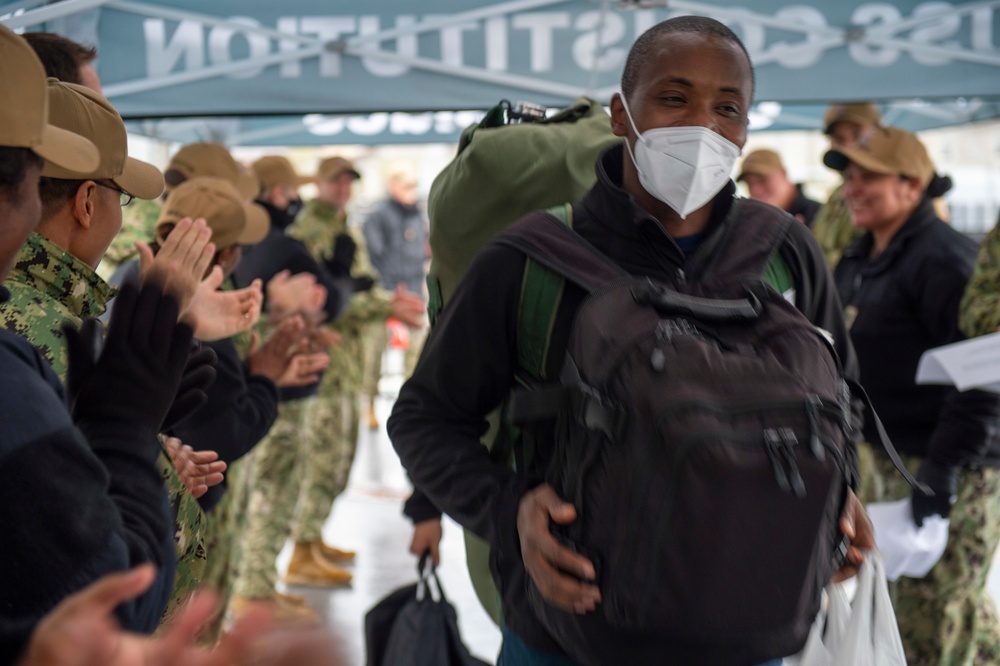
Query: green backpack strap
point(778, 275)
point(541, 293)
point(435, 299)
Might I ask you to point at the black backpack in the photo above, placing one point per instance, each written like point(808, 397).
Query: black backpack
point(703, 432)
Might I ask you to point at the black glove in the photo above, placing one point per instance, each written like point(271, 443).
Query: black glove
point(199, 374)
point(135, 376)
point(363, 283)
point(944, 482)
point(340, 261)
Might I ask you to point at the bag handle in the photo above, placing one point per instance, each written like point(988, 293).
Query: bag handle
point(859, 392)
point(426, 571)
point(713, 310)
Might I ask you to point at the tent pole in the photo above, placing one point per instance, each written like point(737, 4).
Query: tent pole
point(744, 14)
point(141, 85)
point(157, 11)
point(12, 7)
point(912, 22)
point(977, 57)
point(50, 12)
point(473, 73)
point(456, 19)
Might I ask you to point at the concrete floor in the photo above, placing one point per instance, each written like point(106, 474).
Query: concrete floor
point(368, 518)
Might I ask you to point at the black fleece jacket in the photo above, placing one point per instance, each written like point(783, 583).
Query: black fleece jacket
point(241, 409)
point(278, 252)
point(468, 364)
point(906, 302)
point(76, 503)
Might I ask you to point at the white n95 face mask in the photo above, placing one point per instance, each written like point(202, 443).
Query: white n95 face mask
point(684, 167)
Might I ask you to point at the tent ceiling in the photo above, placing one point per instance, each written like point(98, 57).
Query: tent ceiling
point(936, 61)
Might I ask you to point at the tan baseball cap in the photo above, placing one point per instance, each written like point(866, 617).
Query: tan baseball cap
point(210, 159)
point(233, 219)
point(24, 113)
point(332, 167)
point(862, 113)
point(274, 170)
point(85, 112)
point(761, 162)
point(886, 150)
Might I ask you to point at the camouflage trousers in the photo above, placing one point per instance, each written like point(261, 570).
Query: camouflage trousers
point(333, 441)
point(273, 473)
point(946, 618)
point(221, 527)
point(189, 531)
point(374, 338)
point(417, 338)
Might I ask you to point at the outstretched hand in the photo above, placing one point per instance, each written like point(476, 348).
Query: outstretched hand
point(198, 470)
point(222, 314)
point(286, 357)
point(295, 294)
point(408, 307)
point(82, 631)
point(181, 262)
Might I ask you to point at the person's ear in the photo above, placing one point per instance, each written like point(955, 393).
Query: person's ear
point(83, 203)
point(619, 120)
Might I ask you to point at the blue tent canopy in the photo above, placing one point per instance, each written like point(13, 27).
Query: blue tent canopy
point(314, 71)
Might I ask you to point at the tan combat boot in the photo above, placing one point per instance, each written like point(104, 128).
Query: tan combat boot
point(372, 417)
point(308, 570)
point(283, 613)
point(333, 555)
point(290, 599)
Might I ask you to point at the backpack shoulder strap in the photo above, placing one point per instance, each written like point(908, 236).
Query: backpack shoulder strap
point(778, 274)
point(552, 243)
point(751, 254)
point(541, 293)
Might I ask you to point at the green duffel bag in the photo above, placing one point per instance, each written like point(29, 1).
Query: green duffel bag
point(504, 170)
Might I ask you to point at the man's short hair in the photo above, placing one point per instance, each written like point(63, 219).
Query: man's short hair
point(648, 41)
point(61, 57)
point(54, 193)
point(14, 164)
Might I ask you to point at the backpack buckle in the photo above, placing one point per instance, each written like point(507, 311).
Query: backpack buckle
point(593, 413)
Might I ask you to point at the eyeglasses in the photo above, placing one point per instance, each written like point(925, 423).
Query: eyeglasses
point(124, 197)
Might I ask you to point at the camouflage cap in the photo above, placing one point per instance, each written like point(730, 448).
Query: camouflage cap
point(761, 162)
point(232, 219)
point(332, 167)
point(886, 150)
point(210, 159)
point(24, 115)
point(274, 170)
point(85, 112)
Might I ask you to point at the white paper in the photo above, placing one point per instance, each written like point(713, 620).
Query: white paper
point(907, 550)
point(970, 364)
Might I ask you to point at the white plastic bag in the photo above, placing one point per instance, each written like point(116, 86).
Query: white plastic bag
point(862, 633)
point(906, 550)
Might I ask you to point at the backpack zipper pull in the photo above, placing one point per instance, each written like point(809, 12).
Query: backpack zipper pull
point(771, 446)
point(790, 440)
point(663, 334)
point(812, 413)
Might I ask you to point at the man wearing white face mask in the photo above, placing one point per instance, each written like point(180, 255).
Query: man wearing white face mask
point(662, 207)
